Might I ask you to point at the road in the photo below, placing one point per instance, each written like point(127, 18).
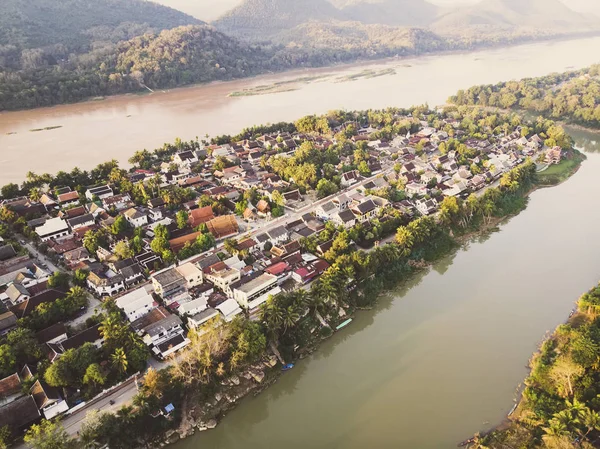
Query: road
point(121, 397)
point(294, 215)
point(39, 256)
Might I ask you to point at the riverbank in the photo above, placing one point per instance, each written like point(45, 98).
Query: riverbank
point(558, 406)
point(454, 49)
point(217, 404)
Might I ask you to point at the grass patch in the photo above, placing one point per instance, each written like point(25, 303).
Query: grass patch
point(555, 174)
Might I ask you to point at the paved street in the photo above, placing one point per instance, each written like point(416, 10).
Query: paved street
point(121, 397)
point(39, 256)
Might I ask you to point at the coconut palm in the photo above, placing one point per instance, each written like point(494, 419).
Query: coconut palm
point(119, 360)
point(290, 317)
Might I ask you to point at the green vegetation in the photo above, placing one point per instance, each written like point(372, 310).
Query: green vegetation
point(560, 406)
point(570, 96)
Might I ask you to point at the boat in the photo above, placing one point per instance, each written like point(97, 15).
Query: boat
point(344, 324)
point(287, 367)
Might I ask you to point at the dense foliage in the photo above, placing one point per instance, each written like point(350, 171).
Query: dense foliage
point(560, 406)
point(570, 96)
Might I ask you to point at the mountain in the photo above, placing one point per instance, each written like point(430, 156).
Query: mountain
point(41, 23)
point(405, 13)
point(491, 15)
point(265, 18)
point(206, 10)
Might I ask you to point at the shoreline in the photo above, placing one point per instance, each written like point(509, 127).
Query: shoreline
point(520, 389)
point(357, 63)
point(272, 375)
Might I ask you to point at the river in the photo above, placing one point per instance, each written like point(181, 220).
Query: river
point(97, 131)
point(441, 357)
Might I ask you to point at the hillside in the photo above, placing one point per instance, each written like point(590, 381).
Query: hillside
point(176, 57)
point(492, 15)
point(265, 18)
point(41, 23)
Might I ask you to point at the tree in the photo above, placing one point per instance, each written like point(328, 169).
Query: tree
point(48, 435)
point(122, 250)
point(6, 437)
point(119, 360)
point(364, 169)
point(326, 188)
point(10, 190)
point(8, 360)
point(564, 373)
point(59, 280)
point(119, 226)
point(80, 276)
point(277, 198)
point(24, 345)
point(204, 242)
point(90, 242)
point(93, 375)
point(182, 219)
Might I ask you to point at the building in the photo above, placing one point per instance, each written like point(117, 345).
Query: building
point(350, 178)
point(162, 332)
point(169, 284)
point(199, 319)
point(48, 400)
point(81, 221)
point(193, 307)
point(256, 292)
point(68, 199)
point(53, 229)
point(223, 226)
point(278, 235)
point(100, 192)
point(365, 211)
point(17, 410)
point(229, 309)
point(137, 303)
point(106, 284)
point(191, 273)
point(136, 217)
point(345, 218)
point(201, 215)
point(222, 276)
point(90, 335)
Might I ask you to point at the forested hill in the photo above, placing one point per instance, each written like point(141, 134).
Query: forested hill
point(176, 57)
point(572, 96)
point(74, 23)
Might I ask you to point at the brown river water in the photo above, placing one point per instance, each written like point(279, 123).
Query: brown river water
point(437, 359)
point(97, 131)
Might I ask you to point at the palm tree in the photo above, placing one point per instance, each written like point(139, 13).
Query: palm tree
point(290, 317)
point(119, 360)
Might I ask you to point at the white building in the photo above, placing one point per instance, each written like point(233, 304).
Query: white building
point(191, 273)
point(137, 303)
point(135, 217)
point(256, 292)
point(53, 229)
point(193, 307)
point(229, 309)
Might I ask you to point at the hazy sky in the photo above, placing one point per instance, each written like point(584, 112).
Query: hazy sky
point(211, 9)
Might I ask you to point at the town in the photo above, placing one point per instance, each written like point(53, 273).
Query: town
point(197, 234)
